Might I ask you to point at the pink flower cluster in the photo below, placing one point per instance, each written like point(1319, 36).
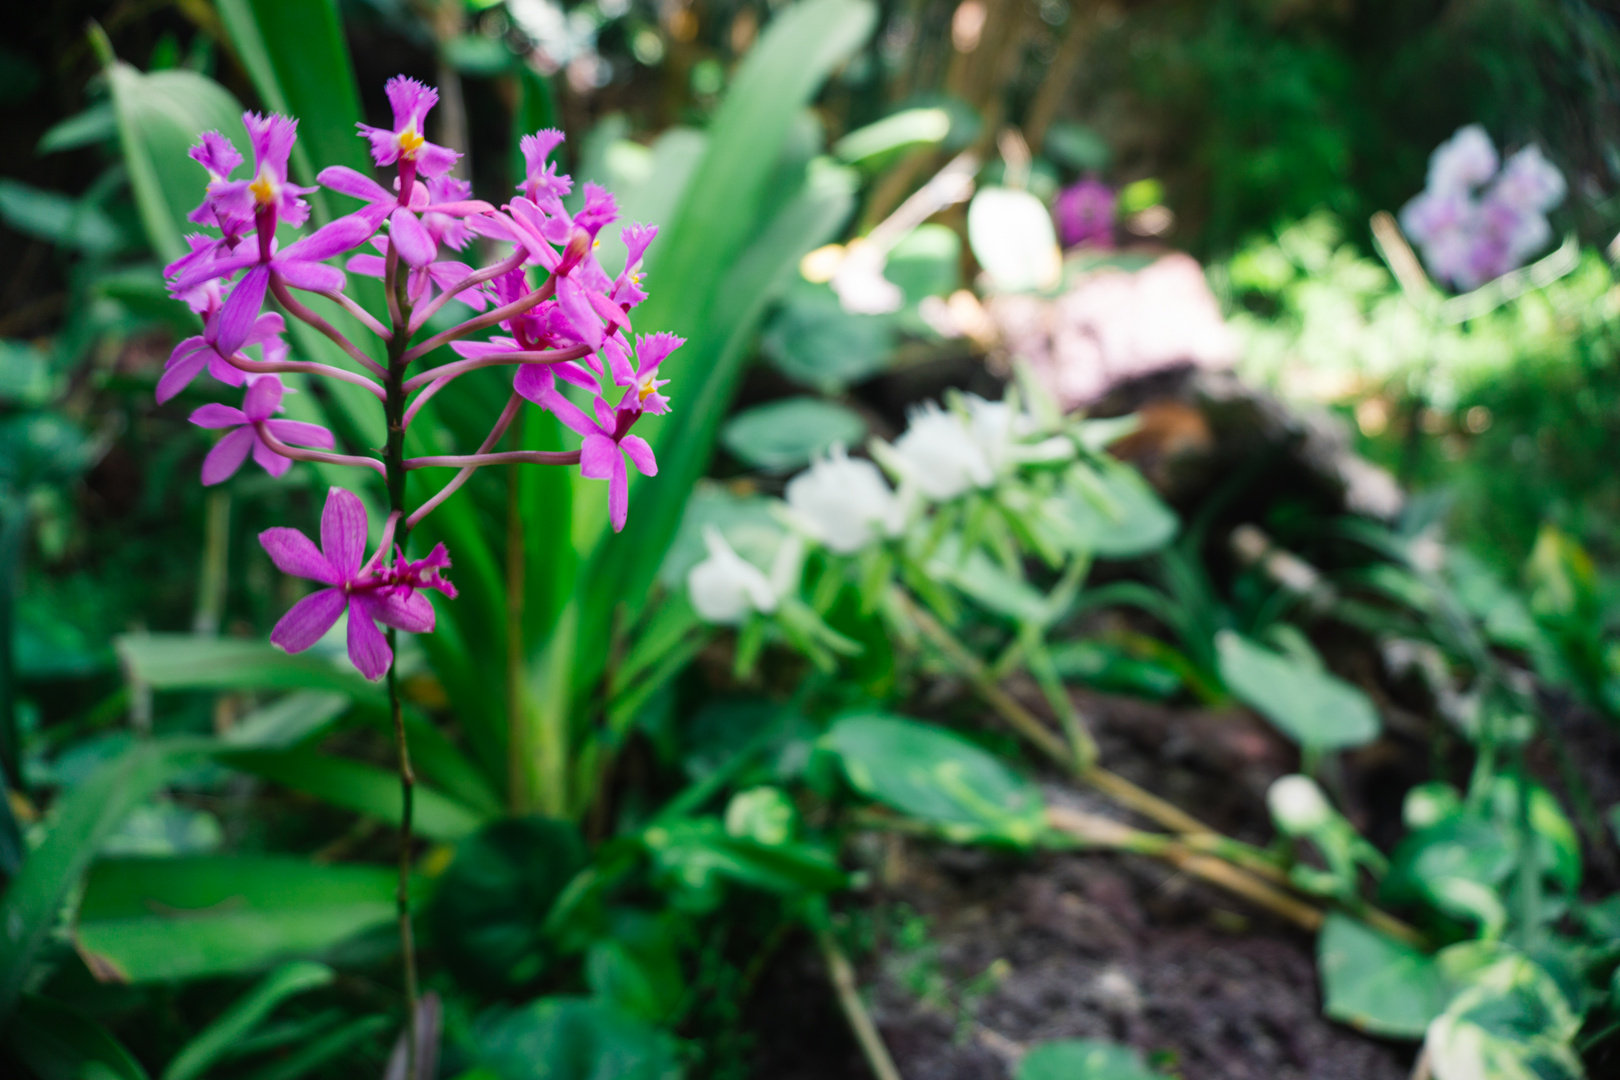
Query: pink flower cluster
point(564, 320)
point(1474, 222)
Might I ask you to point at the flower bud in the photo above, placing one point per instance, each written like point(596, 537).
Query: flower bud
point(1298, 805)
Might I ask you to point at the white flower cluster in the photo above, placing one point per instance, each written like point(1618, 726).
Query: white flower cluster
point(846, 505)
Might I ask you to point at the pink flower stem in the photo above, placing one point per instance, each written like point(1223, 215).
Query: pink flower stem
point(299, 311)
point(508, 457)
point(488, 318)
point(502, 422)
point(298, 453)
point(304, 367)
point(478, 277)
point(365, 317)
point(382, 545)
point(461, 367)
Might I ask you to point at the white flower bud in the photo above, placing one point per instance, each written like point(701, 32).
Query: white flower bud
point(725, 588)
point(1298, 805)
point(940, 455)
point(843, 503)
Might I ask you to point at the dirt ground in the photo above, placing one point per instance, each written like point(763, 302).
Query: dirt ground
point(972, 956)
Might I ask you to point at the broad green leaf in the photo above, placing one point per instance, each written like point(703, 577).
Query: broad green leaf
point(715, 266)
point(490, 909)
point(812, 340)
point(25, 374)
point(1012, 238)
point(1511, 1022)
point(57, 1042)
point(1083, 1059)
point(1110, 667)
point(791, 432)
point(147, 920)
point(1312, 707)
point(217, 1039)
point(57, 218)
point(699, 852)
point(938, 777)
point(563, 1038)
point(1109, 511)
point(1078, 147)
point(190, 662)
point(908, 127)
point(308, 1056)
point(1458, 866)
point(926, 263)
point(160, 116)
point(86, 816)
point(636, 968)
point(98, 123)
point(286, 721)
point(1372, 982)
point(989, 584)
point(354, 785)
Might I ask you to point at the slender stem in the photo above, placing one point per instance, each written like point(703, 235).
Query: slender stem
point(394, 457)
point(366, 318)
point(304, 367)
point(477, 277)
point(461, 367)
point(298, 453)
point(506, 457)
point(508, 414)
point(298, 311)
point(479, 322)
point(842, 974)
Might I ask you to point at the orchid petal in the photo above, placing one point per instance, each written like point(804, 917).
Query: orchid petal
point(619, 494)
point(300, 433)
point(640, 454)
point(343, 530)
point(270, 460)
point(263, 399)
point(598, 457)
point(347, 181)
point(241, 310)
point(215, 415)
point(227, 456)
point(296, 554)
point(368, 649)
point(307, 621)
point(410, 239)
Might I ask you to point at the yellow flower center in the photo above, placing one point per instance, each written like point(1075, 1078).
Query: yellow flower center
point(410, 142)
point(264, 189)
point(645, 389)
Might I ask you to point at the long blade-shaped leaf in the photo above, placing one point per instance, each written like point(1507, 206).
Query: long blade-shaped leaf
point(86, 817)
point(214, 1042)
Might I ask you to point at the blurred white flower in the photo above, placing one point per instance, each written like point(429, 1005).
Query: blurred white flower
point(844, 503)
point(940, 455)
point(1465, 160)
point(1298, 805)
point(1003, 433)
point(726, 588)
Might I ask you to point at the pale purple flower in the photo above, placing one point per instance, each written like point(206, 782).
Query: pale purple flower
point(193, 354)
point(1468, 238)
point(627, 290)
point(1084, 212)
point(1464, 161)
point(219, 158)
point(443, 204)
point(370, 593)
point(259, 407)
point(405, 141)
point(642, 383)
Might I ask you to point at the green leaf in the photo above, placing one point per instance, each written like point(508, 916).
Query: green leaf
point(216, 1040)
point(1109, 511)
point(191, 662)
point(926, 263)
point(25, 374)
point(58, 1042)
point(563, 1038)
point(185, 918)
point(98, 123)
point(908, 127)
point(160, 116)
point(1375, 983)
point(286, 721)
point(64, 221)
point(1511, 1022)
point(814, 341)
point(1314, 708)
point(700, 851)
point(83, 820)
point(365, 789)
point(1079, 148)
point(490, 910)
point(1083, 1059)
point(791, 432)
point(988, 583)
point(937, 777)
point(1012, 238)
point(475, 54)
point(636, 967)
